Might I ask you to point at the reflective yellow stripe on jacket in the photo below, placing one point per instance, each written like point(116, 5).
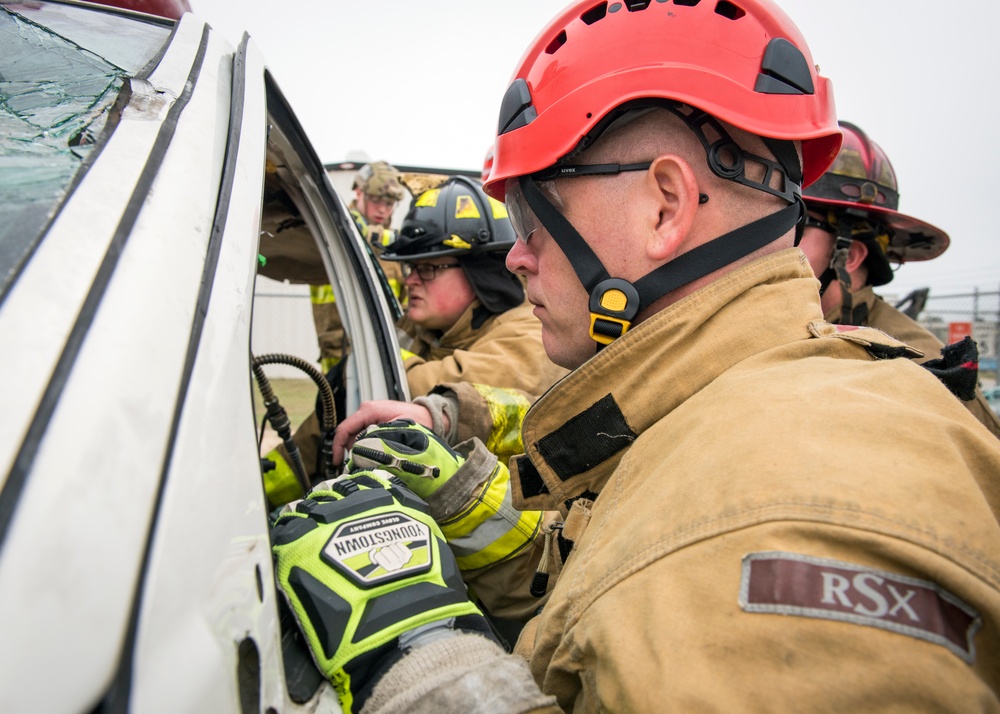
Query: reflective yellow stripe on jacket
point(490, 530)
point(396, 287)
point(321, 294)
point(507, 409)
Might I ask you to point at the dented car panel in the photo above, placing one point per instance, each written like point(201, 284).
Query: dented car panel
point(133, 525)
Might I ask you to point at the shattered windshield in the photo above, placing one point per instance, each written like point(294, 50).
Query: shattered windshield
point(62, 69)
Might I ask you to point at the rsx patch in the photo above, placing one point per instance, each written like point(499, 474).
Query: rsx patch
point(794, 584)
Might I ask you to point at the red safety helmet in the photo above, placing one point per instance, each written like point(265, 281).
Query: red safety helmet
point(742, 61)
point(862, 183)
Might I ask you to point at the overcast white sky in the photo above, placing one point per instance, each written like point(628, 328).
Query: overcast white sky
point(420, 83)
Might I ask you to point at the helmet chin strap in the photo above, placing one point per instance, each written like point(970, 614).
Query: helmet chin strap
point(847, 231)
point(614, 302)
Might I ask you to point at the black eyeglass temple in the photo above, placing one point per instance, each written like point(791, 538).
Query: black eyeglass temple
point(571, 170)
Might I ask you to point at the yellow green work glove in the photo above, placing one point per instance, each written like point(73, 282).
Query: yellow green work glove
point(475, 510)
point(368, 576)
point(418, 456)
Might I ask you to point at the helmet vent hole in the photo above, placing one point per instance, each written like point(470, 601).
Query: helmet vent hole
point(557, 42)
point(689, 3)
point(595, 14)
point(728, 10)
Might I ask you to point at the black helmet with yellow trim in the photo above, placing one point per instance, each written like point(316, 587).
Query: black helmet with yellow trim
point(859, 197)
point(455, 218)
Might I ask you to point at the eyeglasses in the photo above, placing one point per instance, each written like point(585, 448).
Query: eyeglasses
point(521, 216)
point(524, 220)
point(426, 271)
point(383, 201)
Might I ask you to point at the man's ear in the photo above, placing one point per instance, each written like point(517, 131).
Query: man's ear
point(856, 255)
point(675, 193)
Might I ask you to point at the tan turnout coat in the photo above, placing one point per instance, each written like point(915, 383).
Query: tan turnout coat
point(771, 514)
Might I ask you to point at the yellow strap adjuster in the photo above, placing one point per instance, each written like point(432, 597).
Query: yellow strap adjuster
point(613, 305)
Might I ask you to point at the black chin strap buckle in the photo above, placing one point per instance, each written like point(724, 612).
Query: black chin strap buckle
point(613, 305)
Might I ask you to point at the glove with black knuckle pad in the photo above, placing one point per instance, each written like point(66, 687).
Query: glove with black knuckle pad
point(416, 455)
point(368, 575)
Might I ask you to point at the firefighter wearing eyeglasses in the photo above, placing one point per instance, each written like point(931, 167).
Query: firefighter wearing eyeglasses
point(466, 318)
point(761, 511)
point(854, 235)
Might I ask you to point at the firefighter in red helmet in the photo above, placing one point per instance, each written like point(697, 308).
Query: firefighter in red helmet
point(854, 235)
point(718, 549)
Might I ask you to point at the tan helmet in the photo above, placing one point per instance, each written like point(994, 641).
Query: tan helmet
point(380, 180)
point(417, 182)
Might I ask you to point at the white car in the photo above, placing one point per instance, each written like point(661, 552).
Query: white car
point(140, 162)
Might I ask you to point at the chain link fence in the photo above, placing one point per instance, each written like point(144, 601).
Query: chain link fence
point(951, 317)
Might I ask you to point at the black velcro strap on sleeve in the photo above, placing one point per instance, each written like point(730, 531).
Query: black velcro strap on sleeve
point(587, 439)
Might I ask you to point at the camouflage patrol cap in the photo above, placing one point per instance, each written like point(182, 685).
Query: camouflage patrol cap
point(380, 180)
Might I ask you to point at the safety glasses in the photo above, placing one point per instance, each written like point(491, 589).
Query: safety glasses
point(576, 170)
point(522, 218)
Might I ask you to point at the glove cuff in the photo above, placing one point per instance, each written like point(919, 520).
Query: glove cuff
point(453, 496)
point(453, 669)
point(419, 638)
point(441, 406)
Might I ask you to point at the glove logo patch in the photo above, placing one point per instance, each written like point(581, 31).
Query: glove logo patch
point(379, 549)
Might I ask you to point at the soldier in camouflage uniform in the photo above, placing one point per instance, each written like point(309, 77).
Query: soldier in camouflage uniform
point(377, 190)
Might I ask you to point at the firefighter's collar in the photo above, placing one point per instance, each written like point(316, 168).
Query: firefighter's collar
point(576, 434)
